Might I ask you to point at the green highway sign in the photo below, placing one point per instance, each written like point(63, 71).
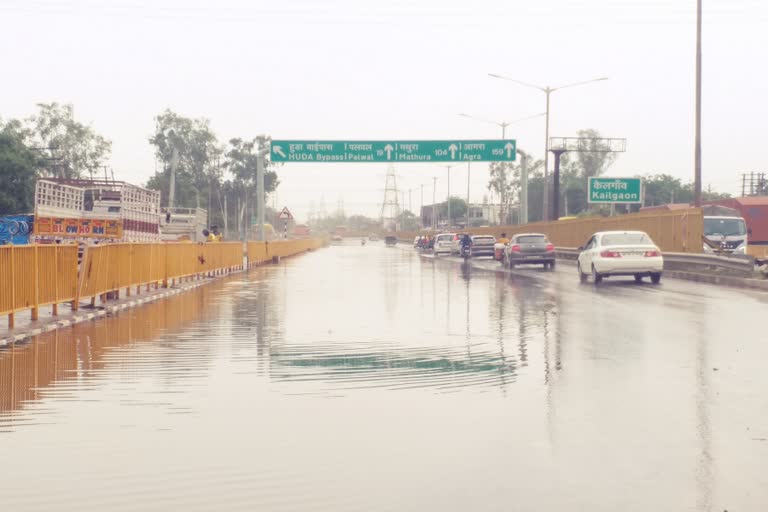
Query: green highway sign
point(615, 190)
point(363, 151)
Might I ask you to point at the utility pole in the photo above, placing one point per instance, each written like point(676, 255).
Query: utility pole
point(523, 215)
point(261, 197)
point(410, 204)
point(697, 150)
point(434, 195)
point(545, 204)
point(172, 180)
point(466, 226)
point(449, 195)
point(421, 204)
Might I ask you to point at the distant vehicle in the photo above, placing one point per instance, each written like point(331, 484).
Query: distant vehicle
point(620, 253)
point(725, 230)
point(444, 243)
point(337, 239)
point(301, 230)
point(754, 210)
point(482, 245)
point(183, 224)
point(373, 237)
point(416, 241)
point(390, 241)
point(530, 248)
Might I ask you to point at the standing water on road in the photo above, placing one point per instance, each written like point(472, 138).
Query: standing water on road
point(368, 378)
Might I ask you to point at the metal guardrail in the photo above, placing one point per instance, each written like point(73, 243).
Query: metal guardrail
point(740, 266)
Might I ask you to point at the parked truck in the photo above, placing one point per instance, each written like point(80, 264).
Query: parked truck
point(725, 230)
point(88, 210)
point(754, 211)
point(183, 224)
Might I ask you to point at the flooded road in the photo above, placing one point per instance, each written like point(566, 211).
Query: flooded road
point(365, 378)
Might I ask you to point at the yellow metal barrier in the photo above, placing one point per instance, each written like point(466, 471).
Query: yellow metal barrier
point(109, 268)
point(758, 251)
point(260, 252)
point(673, 231)
point(36, 275)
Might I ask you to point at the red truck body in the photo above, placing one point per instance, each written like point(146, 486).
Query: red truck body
point(755, 213)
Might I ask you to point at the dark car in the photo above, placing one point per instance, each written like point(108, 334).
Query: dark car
point(530, 248)
point(390, 241)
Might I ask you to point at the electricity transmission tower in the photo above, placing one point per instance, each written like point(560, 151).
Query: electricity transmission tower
point(390, 207)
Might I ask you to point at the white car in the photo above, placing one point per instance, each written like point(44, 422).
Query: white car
point(444, 243)
point(620, 253)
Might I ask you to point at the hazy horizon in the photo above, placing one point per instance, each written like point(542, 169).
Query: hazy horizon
point(362, 70)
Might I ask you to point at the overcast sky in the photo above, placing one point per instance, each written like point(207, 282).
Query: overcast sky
point(397, 69)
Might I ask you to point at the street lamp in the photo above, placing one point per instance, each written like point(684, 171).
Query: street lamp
point(448, 177)
point(523, 216)
point(547, 91)
point(697, 136)
point(503, 124)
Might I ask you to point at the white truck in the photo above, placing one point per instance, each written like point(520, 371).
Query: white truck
point(96, 209)
point(725, 230)
point(183, 224)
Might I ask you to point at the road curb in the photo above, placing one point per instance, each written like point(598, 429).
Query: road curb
point(107, 310)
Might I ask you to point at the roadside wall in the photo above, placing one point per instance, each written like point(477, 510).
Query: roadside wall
point(673, 231)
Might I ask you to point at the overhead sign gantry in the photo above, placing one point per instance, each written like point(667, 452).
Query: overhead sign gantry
point(412, 151)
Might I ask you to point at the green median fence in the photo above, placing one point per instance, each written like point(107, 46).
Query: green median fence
point(372, 151)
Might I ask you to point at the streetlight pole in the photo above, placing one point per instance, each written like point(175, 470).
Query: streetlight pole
point(697, 150)
point(466, 226)
point(434, 200)
point(449, 195)
point(523, 216)
point(421, 204)
point(547, 91)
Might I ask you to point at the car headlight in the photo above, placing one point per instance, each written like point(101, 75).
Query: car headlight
point(708, 249)
point(742, 249)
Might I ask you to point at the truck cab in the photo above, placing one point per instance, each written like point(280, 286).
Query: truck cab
point(726, 234)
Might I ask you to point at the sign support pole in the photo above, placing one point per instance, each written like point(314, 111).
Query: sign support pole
point(556, 184)
point(260, 196)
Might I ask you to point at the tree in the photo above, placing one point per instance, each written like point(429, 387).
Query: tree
point(18, 172)
point(77, 147)
point(506, 178)
point(407, 221)
point(458, 209)
point(577, 167)
point(592, 163)
point(197, 151)
point(241, 160)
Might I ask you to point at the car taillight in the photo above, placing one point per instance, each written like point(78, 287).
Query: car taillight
point(652, 254)
point(550, 247)
point(610, 254)
point(515, 248)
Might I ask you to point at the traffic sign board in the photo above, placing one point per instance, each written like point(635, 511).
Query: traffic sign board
point(394, 151)
point(615, 190)
point(285, 214)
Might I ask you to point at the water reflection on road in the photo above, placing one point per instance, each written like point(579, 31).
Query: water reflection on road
point(366, 378)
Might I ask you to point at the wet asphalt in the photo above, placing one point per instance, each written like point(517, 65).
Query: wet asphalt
point(372, 378)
